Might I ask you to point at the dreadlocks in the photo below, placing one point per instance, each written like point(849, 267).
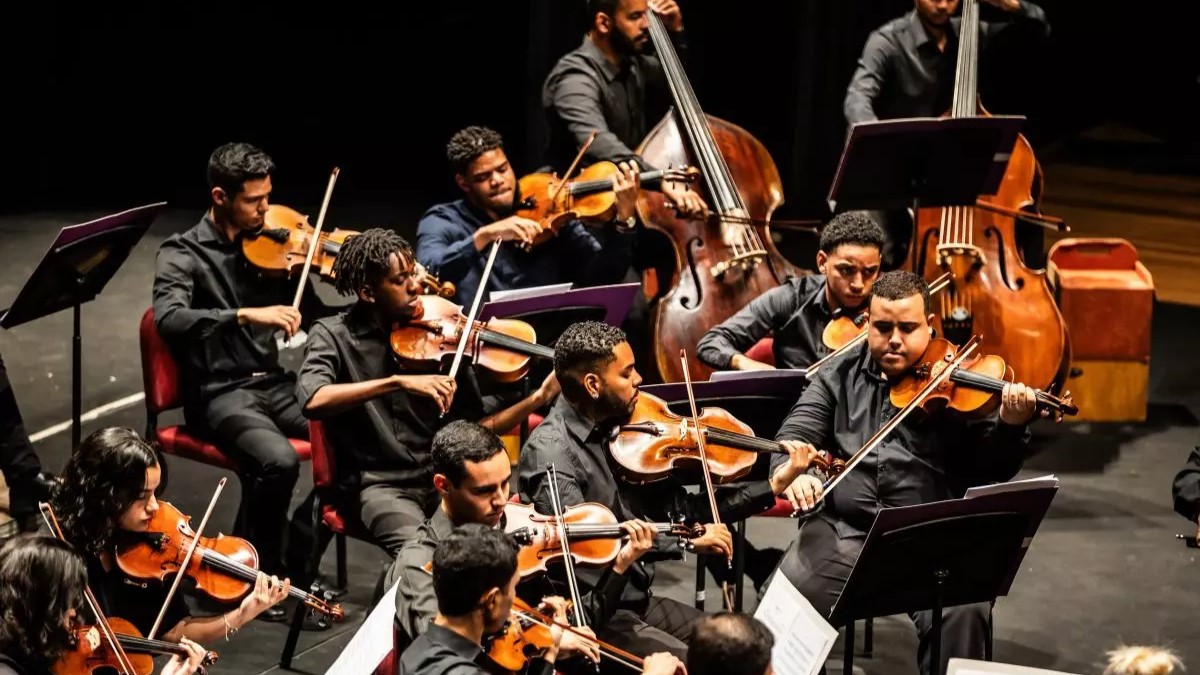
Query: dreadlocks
point(363, 259)
point(470, 143)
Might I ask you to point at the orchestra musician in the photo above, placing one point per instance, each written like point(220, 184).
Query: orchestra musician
point(595, 367)
point(797, 312)
point(925, 459)
point(19, 462)
point(730, 643)
point(380, 418)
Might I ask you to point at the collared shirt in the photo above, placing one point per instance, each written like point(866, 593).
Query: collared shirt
point(446, 247)
point(385, 440)
point(795, 313)
point(1185, 490)
point(441, 651)
point(902, 73)
point(578, 449)
point(201, 279)
point(929, 457)
point(585, 92)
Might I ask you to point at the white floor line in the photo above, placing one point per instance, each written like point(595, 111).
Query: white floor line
point(91, 415)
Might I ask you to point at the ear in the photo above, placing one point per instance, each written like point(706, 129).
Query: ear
point(366, 294)
point(603, 23)
point(220, 197)
point(460, 182)
point(592, 383)
point(929, 320)
point(441, 483)
point(489, 599)
point(822, 258)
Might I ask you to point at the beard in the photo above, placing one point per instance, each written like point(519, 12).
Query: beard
point(628, 47)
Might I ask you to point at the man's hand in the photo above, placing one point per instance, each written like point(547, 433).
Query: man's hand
point(625, 189)
point(512, 228)
point(1006, 5)
point(668, 10)
point(641, 539)
point(716, 541)
point(284, 317)
point(687, 203)
point(578, 645)
point(804, 493)
point(565, 642)
point(549, 389)
point(1018, 403)
point(663, 663)
point(743, 362)
point(799, 457)
point(440, 388)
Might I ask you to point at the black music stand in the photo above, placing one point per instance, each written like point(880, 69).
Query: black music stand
point(76, 268)
point(937, 555)
point(908, 163)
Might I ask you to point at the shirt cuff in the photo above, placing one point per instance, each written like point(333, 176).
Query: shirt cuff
point(227, 316)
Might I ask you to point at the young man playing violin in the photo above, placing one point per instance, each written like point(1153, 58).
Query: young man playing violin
point(455, 238)
point(595, 368)
point(929, 457)
point(797, 312)
point(379, 418)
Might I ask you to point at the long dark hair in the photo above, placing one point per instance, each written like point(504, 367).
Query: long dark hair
point(103, 478)
point(41, 579)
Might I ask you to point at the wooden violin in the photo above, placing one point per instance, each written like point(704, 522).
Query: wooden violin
point(224, 568)
point(502, 347)
point(281, 245)
point(655, 442)
point(593, 533)
point(844, 328)
point(90, 653)
point(527, 635)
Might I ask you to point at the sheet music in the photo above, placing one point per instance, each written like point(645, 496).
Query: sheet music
point(374, 639)
point(803, 638)
point(1013, 486)
point(536, 291)
point(720, 375)
point(959, 666)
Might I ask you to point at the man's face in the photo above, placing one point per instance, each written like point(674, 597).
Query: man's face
point(898, 333)
point(850, 271)
point(617, 384)
point(481, 495)
point(489, 182)
point(629, 28)
point(396, 295)
point(936, 12)
point(247, 209)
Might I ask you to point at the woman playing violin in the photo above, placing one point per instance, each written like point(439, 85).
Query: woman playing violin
point(42, 583)
point(107, 493)
point(928, 457)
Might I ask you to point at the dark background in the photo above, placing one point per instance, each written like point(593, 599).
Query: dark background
point(111, 105)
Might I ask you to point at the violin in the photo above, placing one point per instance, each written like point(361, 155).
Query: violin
point(280, 246)
point(224, 568)
point(655, 441)
point(844, 328)
point(89, 652)
point(593, 534)
point(502, 347)
point(526, 635)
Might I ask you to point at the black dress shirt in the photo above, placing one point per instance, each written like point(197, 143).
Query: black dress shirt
point(902, 73)
point(13, 664)
point(385, 440)
point(578, 449)
point(1186, 488)
point(928, 458)
point(441, 651)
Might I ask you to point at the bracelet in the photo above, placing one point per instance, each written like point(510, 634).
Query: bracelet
point(229, 630)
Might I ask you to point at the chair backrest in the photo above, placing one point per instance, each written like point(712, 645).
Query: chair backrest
point(763, 351)
point(323, 465)
point(160, 373)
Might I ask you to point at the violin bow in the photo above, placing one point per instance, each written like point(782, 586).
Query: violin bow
point(313, 245)
point(101, 621)
point(466, 335)
point(574, 163)
point(568, 561)
point(187, 560)
point(708, 484)
point(615, 654)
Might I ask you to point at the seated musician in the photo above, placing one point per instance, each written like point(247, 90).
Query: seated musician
point(107, 493)
point(928, 458)
point(475, 577)
point(379, 418)
point(42, 582)
point(797, 312)
point(455, 238)
point(1185, 490)
point(595, 368)
point(220, 316)
point(730, 643)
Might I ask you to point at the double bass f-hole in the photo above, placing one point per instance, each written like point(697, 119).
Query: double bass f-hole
point(1005, 274)
point(692, 300)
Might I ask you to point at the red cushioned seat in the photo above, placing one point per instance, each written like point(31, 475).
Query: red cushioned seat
point(763, 351)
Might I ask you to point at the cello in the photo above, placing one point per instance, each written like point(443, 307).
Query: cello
point(726, 261)
point(992, 292)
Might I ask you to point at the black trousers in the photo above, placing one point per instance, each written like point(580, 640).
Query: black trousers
point(253, 425)
point(818, 563)
point(18, 461)
point(392, 514)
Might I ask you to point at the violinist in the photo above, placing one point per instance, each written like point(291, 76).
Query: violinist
point(730, 643)
point(107, 494)
point(20, 464)
point(927, 458)
point(595, 368)
point(379, 418)
point(42, 582)
point(453, 238)
point(797, 312)
point(220, 317)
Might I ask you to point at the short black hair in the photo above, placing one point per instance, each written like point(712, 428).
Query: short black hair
point(852, 227)
point(595, 7)
point(901, 284)
point(41, 579)
point(472, 560)
point(729, 643)
point(462, 441)
point(584, 347)
point(232, 164)
point(469, 143)
point(363, 258)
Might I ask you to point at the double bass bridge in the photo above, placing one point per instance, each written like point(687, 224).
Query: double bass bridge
point(744, 263)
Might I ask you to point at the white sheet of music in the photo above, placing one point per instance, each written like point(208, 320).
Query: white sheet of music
point(803, 638)
point(959, 666)
point(374, 639)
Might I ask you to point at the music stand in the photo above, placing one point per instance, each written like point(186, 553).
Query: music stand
point(948, 161)
point(75, 269)
point(941, 554)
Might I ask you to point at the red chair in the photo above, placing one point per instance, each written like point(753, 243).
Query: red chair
point(763, 351)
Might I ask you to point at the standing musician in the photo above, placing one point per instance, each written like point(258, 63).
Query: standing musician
point(595, 368)
point(108, 493)
point(220, 316)
point(42, 582)
point(453, 238)
point(797, 312)
point(379, 418)
point(19, 462)
point(925, 459)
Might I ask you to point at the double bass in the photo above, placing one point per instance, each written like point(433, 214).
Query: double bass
point(992, 292)
point(726, 261)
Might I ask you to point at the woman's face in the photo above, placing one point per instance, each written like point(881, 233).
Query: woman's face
point(137, 517)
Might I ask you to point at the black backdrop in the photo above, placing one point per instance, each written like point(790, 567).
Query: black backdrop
point(109, 105)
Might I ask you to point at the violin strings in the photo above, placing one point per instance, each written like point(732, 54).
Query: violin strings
point(605, 650)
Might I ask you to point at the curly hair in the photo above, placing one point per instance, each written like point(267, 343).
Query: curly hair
point(469, 143)
point(41, 580)
point(583, 348)
point(852, 227)
point(363, 259)
point(901, 284)
point(232, 164)
point(104, 476)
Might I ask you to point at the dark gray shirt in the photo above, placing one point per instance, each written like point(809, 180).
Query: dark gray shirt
point(441, 651)
point(902, 73)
